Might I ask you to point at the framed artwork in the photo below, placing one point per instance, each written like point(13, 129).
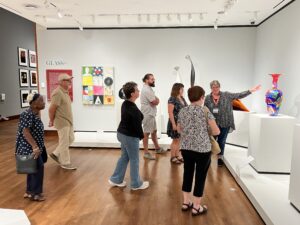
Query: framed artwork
point(24, 95)
point(32, 58)
point(97, 85)
point(33, 78)
point(22, 57)
point(52, 81)
point(34, 91)
point(24, 78)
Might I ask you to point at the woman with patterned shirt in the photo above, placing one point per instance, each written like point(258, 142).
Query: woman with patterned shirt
point(220, 104)
point(195, 148)
point(175, 103)
point(30, 140)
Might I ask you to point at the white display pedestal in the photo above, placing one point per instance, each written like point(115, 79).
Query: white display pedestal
point(241, 133)
point(270, 142)
point(13, 217)
point(294, 191)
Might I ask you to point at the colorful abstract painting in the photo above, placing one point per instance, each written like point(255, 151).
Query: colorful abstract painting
point(98, 85)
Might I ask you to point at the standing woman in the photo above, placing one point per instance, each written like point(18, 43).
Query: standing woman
point(30, 140)
point(175, 103)
point(196, 148)
point(220, 104)
point(130, 132)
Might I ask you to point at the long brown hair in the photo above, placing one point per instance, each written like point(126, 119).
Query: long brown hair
point(176, 89)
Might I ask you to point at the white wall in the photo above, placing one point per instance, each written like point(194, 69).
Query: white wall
point(226, 54)
point(278, 51)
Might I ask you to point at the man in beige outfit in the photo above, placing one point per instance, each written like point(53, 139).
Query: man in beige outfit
point(60, 114)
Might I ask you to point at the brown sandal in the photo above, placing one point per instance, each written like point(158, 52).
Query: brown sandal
point(201, 210)
point(175, 160)
point(186, 206)
point(180, 159)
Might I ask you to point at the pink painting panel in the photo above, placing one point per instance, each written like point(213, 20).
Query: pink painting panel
point(98, 90)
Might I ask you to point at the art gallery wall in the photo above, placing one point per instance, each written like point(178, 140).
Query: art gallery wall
point(225, 54)
point(15, 32)
point(278, 51)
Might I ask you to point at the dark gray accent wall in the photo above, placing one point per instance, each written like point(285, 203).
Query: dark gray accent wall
point(15, 32)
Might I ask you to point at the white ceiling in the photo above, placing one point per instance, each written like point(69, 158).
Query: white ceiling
point(143, 13)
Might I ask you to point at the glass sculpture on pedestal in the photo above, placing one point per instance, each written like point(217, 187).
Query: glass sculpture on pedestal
point(274, 96)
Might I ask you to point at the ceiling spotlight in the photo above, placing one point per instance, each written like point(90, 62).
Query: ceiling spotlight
point(190, 17)
point(119, 19)
point(81, 28)
point(93, 19)
point(46, 3)
point(31, 6)
point(59, 14)
point(255, 13)
point(201, 16)
point(169, 17)
point(139, 17)
point(179, 17)
point(216, 24)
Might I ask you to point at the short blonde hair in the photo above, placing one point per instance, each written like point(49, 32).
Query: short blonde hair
point(215, 82)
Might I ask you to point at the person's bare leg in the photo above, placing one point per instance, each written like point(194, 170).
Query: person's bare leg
point(154, 139)
point(186, 197)
point(145, 143)
point(173, 148)
point(177, 148)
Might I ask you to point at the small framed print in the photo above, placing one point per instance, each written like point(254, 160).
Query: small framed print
point(33, 78)
point(24, 95)
point(32, 58)
point(22, 57)
point(24, 78)
point(34, 91)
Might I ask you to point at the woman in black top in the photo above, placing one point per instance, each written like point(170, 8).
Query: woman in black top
point(30, 140)
point(130, 133)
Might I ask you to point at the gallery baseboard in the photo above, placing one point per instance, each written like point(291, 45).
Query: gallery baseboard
point(50, 133)
point(11, 118)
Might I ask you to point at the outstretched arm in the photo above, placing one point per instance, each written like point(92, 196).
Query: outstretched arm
point(256, 88)
point(243, 94)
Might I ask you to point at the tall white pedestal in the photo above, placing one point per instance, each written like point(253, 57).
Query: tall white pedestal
point(241, 133)
point(270, 142)
point(294, 191)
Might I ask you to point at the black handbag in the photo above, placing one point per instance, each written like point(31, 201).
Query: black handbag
point(26, 164)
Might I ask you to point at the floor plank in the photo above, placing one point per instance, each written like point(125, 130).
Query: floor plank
point(84, 196)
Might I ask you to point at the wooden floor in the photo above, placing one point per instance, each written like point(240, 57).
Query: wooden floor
point(83, 197)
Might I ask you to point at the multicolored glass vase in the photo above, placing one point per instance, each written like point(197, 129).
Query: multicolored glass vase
point(274, 96)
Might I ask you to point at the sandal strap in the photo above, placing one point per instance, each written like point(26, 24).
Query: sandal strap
point(199, 211)
point(175, 160)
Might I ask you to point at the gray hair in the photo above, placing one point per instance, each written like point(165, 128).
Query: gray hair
point(215, 82)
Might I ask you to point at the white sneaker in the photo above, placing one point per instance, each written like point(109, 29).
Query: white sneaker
point(160, 151)
point(144, 185)
point(149, 156)
point(123, 184)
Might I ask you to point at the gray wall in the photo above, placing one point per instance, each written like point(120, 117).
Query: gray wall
point(15, 32)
